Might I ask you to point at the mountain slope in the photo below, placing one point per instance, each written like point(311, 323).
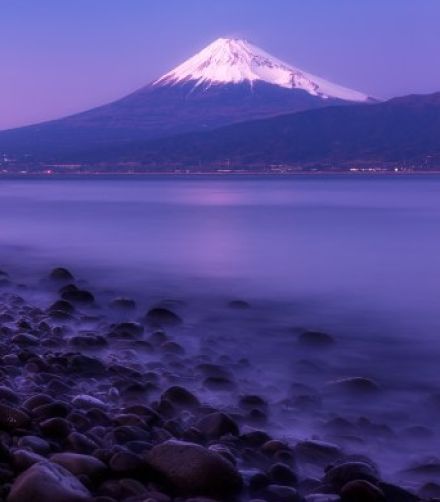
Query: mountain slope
point(229, 81)
point(233, 61)
point(402, 130)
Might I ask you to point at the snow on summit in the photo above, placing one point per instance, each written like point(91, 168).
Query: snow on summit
point(231, 60)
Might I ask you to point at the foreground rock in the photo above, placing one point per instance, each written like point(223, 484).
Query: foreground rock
point(46, 481)
point(193, 470)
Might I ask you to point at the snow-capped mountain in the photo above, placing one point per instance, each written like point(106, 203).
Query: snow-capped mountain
point(234, 61)
point(229, 81)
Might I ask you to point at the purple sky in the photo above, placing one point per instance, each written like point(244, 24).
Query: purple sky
point(59, 57)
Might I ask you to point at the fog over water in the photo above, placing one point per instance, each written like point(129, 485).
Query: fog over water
point(355, 256)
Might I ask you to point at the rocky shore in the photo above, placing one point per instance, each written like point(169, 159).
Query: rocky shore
point(102, 399)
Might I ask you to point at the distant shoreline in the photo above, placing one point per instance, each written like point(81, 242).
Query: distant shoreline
point(29, 174)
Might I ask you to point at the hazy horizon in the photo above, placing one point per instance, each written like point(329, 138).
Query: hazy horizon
point(59, 59)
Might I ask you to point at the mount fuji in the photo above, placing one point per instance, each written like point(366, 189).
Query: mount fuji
point(227, 82)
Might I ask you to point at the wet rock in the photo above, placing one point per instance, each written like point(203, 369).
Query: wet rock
point(342, 474)
point(79, 296)
point(127, 329)
point(56, 427)
point(355, 386)
point(12, 418)
point(395, 493)
point(8, 395)
point(88, 341)
point(48, 481)
point(238, 305)
point(279, 493)
point(212, 370)
point(193, 470)
point(23, 459)
point(216, 425)
point(180, 397)
point(251, 401)
point(126, 463)
point(62, 306)
point(51, 410)
point(170, 347)
point(61, 274)
point(24, 339)
point(161, 316)
point(282, 474)
point(86, 402)
point(37, 400)
point(80, 443)
point(219, 384)
point(430, 491)
point(361, 491)
point(317, 452)
point(34, 443)
point(126, 433)
point(255, 438)
point(322, 497)
point(79, 464)
point(315, 339)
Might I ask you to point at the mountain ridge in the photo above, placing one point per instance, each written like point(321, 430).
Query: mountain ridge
point(160, 109)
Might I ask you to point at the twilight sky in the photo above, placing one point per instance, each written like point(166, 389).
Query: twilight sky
point(58, 57)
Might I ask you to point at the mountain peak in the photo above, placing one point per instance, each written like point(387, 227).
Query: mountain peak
point(234, 60)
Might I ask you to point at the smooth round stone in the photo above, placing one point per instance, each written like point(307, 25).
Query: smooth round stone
point(355, 386)
point(362, 491)
point(317, 452)
point(46, 481)
point(61, 274)
point(238, 305)
point(80, 443)
point(251, 401)
point(215, 425)
point(24, 339)
point(79, 464)
point(56, 427)
point(34, 443)
point(160, 316)
point(181, 397)
point(6, 394)
point(86, 402)
point(194, 470)
point(78, 296)
point(282, 474)
point(219, 384)
point(12, 418)
point(37, 400)
point(62, 306)
point(126, 463)
point(23, 459)
point(279, 493)
point(341, 474)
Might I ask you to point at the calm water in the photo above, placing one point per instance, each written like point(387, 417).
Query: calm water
point(357, 256)
point(352, 242)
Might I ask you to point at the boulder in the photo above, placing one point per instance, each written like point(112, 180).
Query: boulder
point(339, 475)
point(361, 491)
point(46, 481)
point(215, 425)
point(180, 397)
point(79, 464)
point(160, 316)
point(354, 386)
point(194, 470)
point(12, 418)
point(61, 274)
